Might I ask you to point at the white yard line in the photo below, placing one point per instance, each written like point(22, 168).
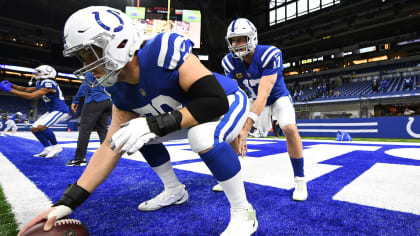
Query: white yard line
point(26, 199)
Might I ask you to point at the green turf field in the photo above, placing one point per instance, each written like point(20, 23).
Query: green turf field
point(8, 225)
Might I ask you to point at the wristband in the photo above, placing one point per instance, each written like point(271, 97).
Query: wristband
point(73, 196)
point(253, 116)
point(165, 123)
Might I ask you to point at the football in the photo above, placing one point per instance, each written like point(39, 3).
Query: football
point(63, 227)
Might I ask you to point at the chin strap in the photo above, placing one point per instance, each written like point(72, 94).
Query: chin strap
point(30, 81)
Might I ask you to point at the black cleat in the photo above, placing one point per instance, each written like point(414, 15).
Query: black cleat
point(76, 162)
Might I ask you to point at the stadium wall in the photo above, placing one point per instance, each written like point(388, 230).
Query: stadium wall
point(378, 127)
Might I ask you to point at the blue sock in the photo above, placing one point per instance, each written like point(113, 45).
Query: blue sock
point(155, 154)
point(50, 136)
point(297, 166)
point(41, 137)
point(222, 161)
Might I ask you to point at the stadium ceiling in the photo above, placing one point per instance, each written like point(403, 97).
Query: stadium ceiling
point(349, 23)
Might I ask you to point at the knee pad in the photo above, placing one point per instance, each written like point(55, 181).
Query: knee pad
point(201, 137)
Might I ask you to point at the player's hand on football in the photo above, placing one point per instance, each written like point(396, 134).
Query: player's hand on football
point(51, 215)
point(5, 86)
point(132, 136)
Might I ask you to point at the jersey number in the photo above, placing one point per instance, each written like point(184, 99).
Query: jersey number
point(159, 105)
point(251, 83)
point(60, 96)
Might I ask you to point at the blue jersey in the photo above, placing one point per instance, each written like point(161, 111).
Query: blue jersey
point(96, 94)
point(158, 91)
point(55, 101)
point(267, 60)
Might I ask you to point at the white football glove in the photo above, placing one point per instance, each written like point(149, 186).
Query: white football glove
point(60, 211)
point(133, 135)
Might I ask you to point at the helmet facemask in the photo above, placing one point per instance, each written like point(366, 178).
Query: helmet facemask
point(105, 28)
point(241, 27)
point(242, 50)
point(100, 42)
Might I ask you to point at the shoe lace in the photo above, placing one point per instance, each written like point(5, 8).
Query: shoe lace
point(243, 214)
point(299, 185)
point(163, 196)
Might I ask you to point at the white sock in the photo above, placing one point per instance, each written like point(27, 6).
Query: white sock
point(167, 176)
point(235, 191)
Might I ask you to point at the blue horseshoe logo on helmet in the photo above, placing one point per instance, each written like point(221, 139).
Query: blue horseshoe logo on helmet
point(100, 23)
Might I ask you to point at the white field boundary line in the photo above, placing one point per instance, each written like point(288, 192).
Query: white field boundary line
point(336, 130)
point(26, 200)
point(338, 124)
point(72, 136)
point(339, 142)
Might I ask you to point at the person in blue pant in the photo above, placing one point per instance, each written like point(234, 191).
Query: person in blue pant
point(96, 112)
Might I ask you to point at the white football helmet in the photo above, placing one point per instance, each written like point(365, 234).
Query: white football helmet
point(19, 113)
point(242, 27)
point(43, 72)
point(107, 28)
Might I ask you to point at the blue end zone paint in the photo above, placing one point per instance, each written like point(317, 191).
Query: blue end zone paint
point(112, 208)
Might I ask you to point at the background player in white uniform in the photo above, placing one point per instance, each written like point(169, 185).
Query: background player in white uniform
point(3, 119)
point(259, 69)
point(11, 123)
point(48, 89)
point(159, 92)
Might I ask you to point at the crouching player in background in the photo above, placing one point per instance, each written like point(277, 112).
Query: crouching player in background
point(47, 88)
point(11, 123)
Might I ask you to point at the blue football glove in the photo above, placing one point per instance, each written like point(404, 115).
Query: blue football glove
point(6, 86)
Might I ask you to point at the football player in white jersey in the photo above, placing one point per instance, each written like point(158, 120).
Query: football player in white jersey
point(11, 124)
point(160, 91)
point(259, 69)
point(57, 110)
point(3, 119)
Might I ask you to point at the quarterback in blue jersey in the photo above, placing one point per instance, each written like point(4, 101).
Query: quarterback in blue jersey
point(160, 91)
point(57, 110)
point(259, 68)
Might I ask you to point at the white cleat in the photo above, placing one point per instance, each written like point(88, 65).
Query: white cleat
point(165, 199)
point(44, 152)
point(54, 151)
point(243, 222)
point(301, 192)
point(217, 188)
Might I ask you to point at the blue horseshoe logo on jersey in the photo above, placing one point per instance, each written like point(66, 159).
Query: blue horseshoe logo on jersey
point(100, 23)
